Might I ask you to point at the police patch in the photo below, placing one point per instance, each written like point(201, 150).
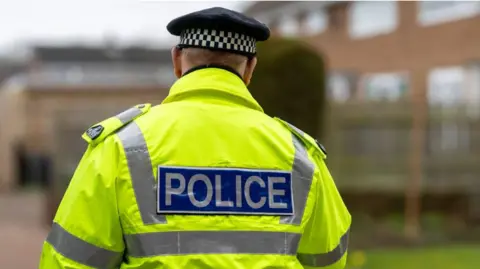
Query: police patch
point(95, 131)
point(184, 190)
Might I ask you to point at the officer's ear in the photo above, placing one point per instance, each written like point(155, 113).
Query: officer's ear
point(249, 68)
point(177, 61)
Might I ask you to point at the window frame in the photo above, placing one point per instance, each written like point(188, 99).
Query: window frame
point(382, 30)
point(402, 79)
point(310, 15)
point(459, 11)
point(446, 75)
point(289, 17)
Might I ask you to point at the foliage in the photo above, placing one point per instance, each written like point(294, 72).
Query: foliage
point(289, 83)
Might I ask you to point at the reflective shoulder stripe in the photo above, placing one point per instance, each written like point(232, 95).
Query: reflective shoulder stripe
point(302, 177)
point(305, 138)
point(325, 259)
point(82, 252)
point(98, 132)
point(141, 172)
point(212, 242)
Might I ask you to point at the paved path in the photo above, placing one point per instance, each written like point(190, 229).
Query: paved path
point(21, 230)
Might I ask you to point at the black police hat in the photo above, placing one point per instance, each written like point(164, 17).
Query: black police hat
point(219, 29)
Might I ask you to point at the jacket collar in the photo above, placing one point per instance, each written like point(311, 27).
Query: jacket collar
point(209, 78)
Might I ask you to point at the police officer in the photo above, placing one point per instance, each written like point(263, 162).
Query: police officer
point(204, 180)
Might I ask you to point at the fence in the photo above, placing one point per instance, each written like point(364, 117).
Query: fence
point(372, 149)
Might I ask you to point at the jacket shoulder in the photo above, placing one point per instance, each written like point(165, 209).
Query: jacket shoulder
point(101, 130)
point(308, 140)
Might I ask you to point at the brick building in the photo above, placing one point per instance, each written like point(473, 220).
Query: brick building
point(416, 61)
point(388, 50)
point(64, 90)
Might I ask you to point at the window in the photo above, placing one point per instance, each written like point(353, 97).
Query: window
point(450, 87)
point(341, 86)
point(434, 12)
point(315, 22)
point(367, 19)
point(385, 86)
point(289, 26)
point(456, 85)
point(446, 86)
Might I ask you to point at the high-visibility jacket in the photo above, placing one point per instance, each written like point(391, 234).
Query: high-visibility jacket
point(123, 210)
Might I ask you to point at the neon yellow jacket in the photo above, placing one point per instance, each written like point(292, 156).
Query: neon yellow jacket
point(109, 218)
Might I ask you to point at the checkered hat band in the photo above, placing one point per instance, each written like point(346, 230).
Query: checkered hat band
point(215, 39)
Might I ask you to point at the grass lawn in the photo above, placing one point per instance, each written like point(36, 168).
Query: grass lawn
point(448, 257)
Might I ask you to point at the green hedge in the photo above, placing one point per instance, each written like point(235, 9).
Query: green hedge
point(289, 82)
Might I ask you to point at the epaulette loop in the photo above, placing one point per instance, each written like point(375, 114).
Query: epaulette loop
point(307, 139)
point(98, 132)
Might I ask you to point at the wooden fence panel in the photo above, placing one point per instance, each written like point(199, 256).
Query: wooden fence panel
point(369, 148)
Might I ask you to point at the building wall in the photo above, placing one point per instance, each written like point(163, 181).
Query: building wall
point(35, 121)
point(411, 47)
point(89, 106)
point(12, 127)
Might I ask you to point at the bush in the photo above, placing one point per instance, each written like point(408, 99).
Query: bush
point(289, 83)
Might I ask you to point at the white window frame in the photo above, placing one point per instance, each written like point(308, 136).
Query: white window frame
point(283, 26)
point(341, 87)
point(374, 28)
point(459, 10)
point(439, 78)
point(318, 16)
point(386, 81)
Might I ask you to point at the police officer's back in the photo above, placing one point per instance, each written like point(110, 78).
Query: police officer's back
point(204, 180)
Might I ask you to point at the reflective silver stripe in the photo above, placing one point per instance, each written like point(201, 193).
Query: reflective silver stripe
point(300, 132)
point(82, 252)
point(129, 114)
point(211, 242)
point(302, 176)
point(141, 172)
point(326, 259)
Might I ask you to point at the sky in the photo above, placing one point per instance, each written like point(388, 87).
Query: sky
point(26, 22)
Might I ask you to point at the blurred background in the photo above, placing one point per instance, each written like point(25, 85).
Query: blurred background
point(402, 122)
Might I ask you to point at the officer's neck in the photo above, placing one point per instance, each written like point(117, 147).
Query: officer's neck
point(203, 66)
